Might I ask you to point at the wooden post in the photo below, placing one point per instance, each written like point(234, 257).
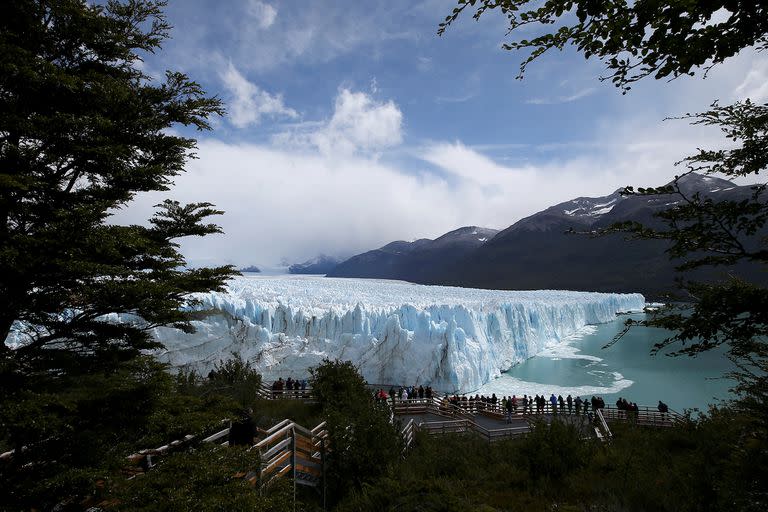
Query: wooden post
point(322, 462)
point(293, 464)
point(261, 470)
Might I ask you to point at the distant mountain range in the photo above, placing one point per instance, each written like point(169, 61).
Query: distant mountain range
point(538, 253)
point(321, 264)
point(421, 261)
point(252, 268)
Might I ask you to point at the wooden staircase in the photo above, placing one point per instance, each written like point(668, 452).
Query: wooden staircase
point(292, 450)
point(286, 449)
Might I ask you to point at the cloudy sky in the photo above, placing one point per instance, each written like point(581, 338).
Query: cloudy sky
point(351, 124)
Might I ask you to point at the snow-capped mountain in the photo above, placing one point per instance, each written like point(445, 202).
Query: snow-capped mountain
point(536, 252)
point(601, 211)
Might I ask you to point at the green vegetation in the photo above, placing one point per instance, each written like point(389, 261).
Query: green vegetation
point(667, 39)
point(664, 39)
point(692, 467)
point(364, 441)
point(203, 479)
point(84, 130)
point(145, 406)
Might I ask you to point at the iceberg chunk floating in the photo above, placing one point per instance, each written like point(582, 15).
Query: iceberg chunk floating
point(455, 339)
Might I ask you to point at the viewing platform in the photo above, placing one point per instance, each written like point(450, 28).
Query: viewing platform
point(491, 421)
point(288, 449)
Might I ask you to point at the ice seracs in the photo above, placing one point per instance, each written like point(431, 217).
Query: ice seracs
point(396, 332)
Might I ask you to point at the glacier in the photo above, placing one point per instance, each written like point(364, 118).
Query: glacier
point(454, 339)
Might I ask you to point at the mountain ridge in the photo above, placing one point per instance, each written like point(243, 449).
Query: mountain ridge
point(419, 261)
point(537, 252)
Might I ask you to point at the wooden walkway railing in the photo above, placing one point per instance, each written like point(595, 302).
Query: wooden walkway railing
point(457, 419)
point(602, 431)
point(408, 433)
point(291, 449)
point(461, 417)
point(267, 393)
point(468, 409)
point(285, 449)
point(464, 425)
point(645, 416)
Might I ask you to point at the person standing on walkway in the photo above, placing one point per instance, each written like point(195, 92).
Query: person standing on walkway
point(663, 409)
point(569, 401)
point(553, 401)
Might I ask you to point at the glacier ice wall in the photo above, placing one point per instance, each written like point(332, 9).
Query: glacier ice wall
point(455, 339)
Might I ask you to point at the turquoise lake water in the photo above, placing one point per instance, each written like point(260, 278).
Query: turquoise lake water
point(580, 366)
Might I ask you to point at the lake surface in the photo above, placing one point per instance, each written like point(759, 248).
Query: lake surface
point(626, 369)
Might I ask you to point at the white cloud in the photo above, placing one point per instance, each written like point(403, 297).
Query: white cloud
point(360, 124)
point(249, 103)
point(280, 203)
point(562, 99)
point(755, 83)
point(423, 64)
point(310, 32)
point(338, 195)
point(455, 99)
point(263, 13)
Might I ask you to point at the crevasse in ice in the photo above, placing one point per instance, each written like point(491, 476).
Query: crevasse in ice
point(455, 339)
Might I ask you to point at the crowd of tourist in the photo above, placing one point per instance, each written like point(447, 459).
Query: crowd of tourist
point(289, 386)
point(404, 393)
point(508, 405)
point(537, 404)
point(512, 405)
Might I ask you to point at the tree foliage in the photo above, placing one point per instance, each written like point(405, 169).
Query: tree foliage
point(713, 463)
point(82, 131)
point(634, 39)
point(364, 442)
point(205, 479)
point(669, 39)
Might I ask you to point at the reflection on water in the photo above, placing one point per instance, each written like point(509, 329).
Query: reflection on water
point(580, 366)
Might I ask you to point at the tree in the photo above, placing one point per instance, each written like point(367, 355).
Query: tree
point(670, 39)
point(634, 39)
point(364, 443)
point(83, 130)
point(207, 479)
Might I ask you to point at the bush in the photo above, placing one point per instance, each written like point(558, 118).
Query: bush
point(364, 441)
point(207, 479)
point(236, 379)
point(553, 450)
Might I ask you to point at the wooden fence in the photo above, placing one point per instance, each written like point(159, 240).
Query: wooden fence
point(291, 449)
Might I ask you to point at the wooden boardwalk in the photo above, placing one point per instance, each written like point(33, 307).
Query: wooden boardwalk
point(292, 450)
point(490, 421)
